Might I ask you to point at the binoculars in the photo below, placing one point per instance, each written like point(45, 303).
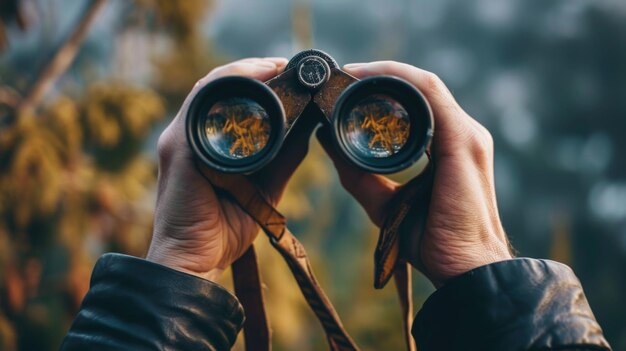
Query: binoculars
point(381, 124)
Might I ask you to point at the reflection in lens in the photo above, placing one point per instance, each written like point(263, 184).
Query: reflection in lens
point(237, 128)
point(377, 126)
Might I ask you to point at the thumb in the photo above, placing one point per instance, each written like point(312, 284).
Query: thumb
point(372, 191)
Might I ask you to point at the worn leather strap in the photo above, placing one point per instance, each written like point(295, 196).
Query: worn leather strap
point(251, 200)
point(398, 238)
point(273, 223)
point(249, 290)
point(294, 254)
point(404, 287)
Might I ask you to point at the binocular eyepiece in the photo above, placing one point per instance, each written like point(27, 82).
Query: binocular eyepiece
point(381, 124)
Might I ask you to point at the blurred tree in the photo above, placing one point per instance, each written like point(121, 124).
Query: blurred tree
point(187, 57)
point(10, 12)
point(74, 182)
point(77, 170)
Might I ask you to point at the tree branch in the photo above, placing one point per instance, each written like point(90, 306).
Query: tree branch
point(61, 59)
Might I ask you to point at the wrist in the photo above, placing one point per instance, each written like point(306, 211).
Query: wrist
point(460, 260)
point(183, 261)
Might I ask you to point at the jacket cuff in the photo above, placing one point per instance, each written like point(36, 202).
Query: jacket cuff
point(519, 304)
point(144, 305)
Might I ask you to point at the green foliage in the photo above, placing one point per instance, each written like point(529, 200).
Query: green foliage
point(188, 56)
point(75, 168)
point(75, 181)
point(117, 119)
point(77, 176)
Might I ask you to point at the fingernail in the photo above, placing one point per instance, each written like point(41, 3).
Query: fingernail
point(353, 65)
point(276, 59)
point(266, 65)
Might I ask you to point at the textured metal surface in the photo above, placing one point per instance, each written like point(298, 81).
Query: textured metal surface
point(327, 96)
point(311, 52)
point(313, 72)
point(291, 93)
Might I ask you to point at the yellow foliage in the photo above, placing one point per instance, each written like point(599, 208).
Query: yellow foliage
point(63, 118)
point(112, 111)
point(187, 57)
point(561, 248)
point(180, 17)
point(313, 173)
point(32, 184)
point(8, 338)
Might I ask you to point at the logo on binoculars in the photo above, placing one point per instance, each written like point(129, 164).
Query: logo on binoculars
point(313, 71)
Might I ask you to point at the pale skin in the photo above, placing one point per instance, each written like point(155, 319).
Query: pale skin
point(199, 232)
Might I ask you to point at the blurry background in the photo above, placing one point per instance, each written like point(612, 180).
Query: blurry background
point(87, 86)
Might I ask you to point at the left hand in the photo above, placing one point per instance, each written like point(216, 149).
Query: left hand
point(196, 229)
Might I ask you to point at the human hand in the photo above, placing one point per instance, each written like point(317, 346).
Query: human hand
point(463, 230)
point(196, 229)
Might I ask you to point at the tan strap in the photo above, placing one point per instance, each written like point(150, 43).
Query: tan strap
point(397, 236)
point(398, 242)
point(251, 200)
point(294, 254)
point(404, 287)
point(249, 290)
point(273, 223)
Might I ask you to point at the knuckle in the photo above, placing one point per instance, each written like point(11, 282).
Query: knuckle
point(217, 69)
point(231, 69)
point(481, 143)
point(165, 147)
point(485, 135)
point(488, 137)
point(235, 68)
point(434, 83)
point(390, 63)
point(201, 81)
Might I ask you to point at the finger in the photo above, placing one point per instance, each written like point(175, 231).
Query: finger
point(274, 177)
point(251, 67)
point(260, 69)
point(453, 124)
point(372, 191)
point(255, 68)
point(280, 62)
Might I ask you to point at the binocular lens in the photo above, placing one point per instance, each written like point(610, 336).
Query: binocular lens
point(235, 125)
point(382, 124)
point(377, 126)
point(237, 128)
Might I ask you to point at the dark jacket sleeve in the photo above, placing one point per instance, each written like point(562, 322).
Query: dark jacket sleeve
point(134, 304)
point(520, 304)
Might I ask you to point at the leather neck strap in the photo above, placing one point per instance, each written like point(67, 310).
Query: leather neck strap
point(246, 274)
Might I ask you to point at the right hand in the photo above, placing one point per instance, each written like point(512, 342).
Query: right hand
point(463, 229)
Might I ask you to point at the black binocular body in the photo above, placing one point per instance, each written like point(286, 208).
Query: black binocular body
point(381, 124)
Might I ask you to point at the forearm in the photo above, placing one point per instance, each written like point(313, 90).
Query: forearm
point(521, 304)
point(134, 304)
